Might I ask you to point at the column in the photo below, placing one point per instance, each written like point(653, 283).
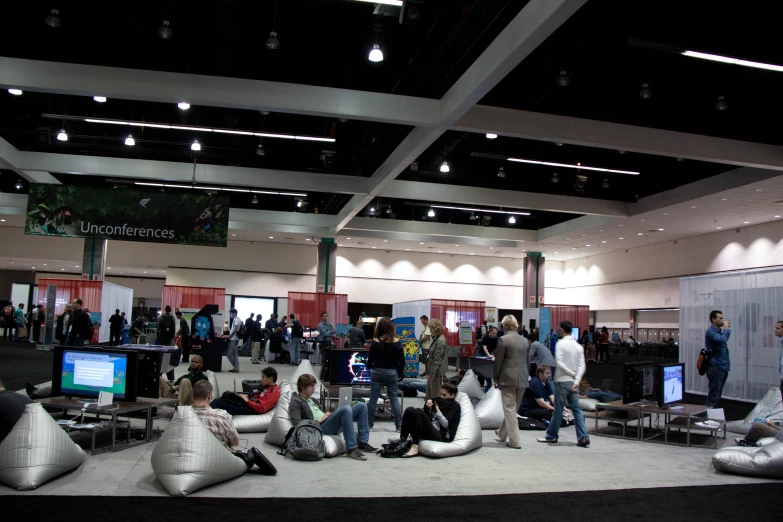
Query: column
point(327, 263)
point(534, 280)
point(94, 259)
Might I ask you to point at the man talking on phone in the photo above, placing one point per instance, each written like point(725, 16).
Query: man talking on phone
point(715, 343)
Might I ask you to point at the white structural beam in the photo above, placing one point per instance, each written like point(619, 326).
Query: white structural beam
point(216, 91)
point(534, 23)
point(163, 171)
point(436, 193)
point(282, 222)
point(573, 226)
point(9, 159)
point(13, 204)
point(615, 136)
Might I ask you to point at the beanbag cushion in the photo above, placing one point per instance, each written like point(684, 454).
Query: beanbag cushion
point(36, 450)
point(467, 438)
point(212, 378)
point(307, 367)
point(588, 404)
point(489, 410)
point(255, 423)
point(769, 405)
point(470, 386)
point(189, 457)
point(766, 461)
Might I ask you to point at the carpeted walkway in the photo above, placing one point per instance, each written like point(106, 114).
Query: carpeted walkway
point(21, 362)
point(738, 502)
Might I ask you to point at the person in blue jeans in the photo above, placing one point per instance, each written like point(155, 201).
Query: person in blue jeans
point(571, 367)
point(387, 363)
point(302, 407)
point(715, 343)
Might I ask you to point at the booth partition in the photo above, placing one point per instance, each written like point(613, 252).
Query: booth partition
point(192, 296)
point(307, 307)
point(451, 313)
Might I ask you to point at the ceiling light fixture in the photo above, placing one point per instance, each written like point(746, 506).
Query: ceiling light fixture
point(396, 3)
point(62, 136)
point(491, 136)
point(563, 80)
point(99, 99)
point(733, 61)
point(18, 185)
point(512, 220)
point(646, 92)
point(376, 55)
point(482, 210)
point(569, 166)
point(501, 172)
point(182, 105)
point(746, 222)
point(255, 200)
point(555, 179)
point(195, 146)
point(719, 228)
point(605, 184)
point(431, 213)
point(15, 92)
point(164, 33)
point(260, 150)
point(444, 167)
point(53, 20)
point(721, 104)
point(130, 141)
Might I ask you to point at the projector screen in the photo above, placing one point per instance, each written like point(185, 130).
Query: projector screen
point(254, 305)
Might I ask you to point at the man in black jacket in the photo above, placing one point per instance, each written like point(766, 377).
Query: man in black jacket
point(80, 328)
point(249, 326)
point(183, 388)
point(115, 328)
point(167, 327)
point(184, 334)
point(258, 339)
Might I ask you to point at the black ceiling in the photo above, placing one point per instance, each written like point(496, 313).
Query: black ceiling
point(606, 72)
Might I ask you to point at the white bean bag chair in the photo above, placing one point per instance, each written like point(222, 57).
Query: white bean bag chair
point(257, 423)
point(766, 461)
point(489, 410)
point(281, 424)
point(189, 457)
point(470, 386)
point(212, 378)
point(467, 438)
point(36, 450)
point(588, 404)
point(307, 367)
point(769, 405)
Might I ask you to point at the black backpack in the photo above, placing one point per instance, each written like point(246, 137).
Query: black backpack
point(168, 327)
point(242, 333)
point(297, 330)
point(526, 423)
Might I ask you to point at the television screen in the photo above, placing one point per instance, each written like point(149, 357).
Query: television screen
point(84, 373)
point(670, 387)
point(615, 337)
point(349, 367)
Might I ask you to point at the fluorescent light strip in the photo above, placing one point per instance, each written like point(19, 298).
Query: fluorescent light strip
point(396, 3)
point(483, 210)
point(219, 188)
point(567, 166)
point(205, 129)
point(291, 194)
point(734, 61)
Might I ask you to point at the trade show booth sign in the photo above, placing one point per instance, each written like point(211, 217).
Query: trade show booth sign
point(194, 218)
point(405, 329)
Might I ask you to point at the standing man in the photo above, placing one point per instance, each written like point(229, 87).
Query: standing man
point(36, 322)
point(116, 323)
point(570, 369)
point(297, 332)
point(356, 337)
point(511, 377)
point(779, 334)
point(9, 322)
point(19, 320)
point(249, 326)
point(715, 343)
point(270, 326)
point(258, 337)
point(137, 330)
point(233, 340)
point(425, 340)
point(80, 328)
point(167, 327)
point(326, 330)
point(184, 334)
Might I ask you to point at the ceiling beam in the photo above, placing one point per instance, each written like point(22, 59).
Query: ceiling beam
point(163, 171)
point(615, 136)
point(534, 23)
point(9, 159)
point(507, 199)
point(215, 91)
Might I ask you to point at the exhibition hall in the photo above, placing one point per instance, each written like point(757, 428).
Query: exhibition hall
point(391, 259)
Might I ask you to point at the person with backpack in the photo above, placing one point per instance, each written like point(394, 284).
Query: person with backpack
point(9, 322)
point(297, 333)
point(167, 327)
point(303, 408)
point(80, 329)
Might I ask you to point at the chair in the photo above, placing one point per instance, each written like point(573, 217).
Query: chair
point(255, 423)
point(36, 450)
point(467, 438)
point(489, 410)
point(766, 461)
point(276, 347)
point(470, 386)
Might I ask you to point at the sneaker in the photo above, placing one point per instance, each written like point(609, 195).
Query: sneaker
point(366, 447)
point(585, 442)
point(355, 454)
point(743, 442)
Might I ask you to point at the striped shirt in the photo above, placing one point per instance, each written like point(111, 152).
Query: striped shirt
point(219, 423)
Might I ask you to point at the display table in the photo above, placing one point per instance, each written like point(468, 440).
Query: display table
point(113, 411)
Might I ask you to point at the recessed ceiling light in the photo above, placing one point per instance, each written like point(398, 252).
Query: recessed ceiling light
point(99, 99)
point(557, 252)
point(77, 266)
point(666, 214)
point(145, 272)
point(375, 247)
point(32, 267)
point(620, 238)
point(491, 136)
point(308, 239)
point(233, 235)
point(759, 190)
point(603, 241)
point(44, 264)
point(746, 222)
point(641, 220)
point(693, 207)
point(587, 245)
point(621, 226)
point(407, 249)
point(492, 248)
point(639, 234)
point(15, 92)
point(660, 230)
point(440, 251)
point(2, 220)
point(719, 228)
point(62, 269)
point(573, 248)
point(347, 238)
point(339, 244)
point(777, 216)
point(385, 240)
point(183, 105)
point(724, 199)
point(421, 243)
point(271, 237)
point(456, 245)
point(472, 254)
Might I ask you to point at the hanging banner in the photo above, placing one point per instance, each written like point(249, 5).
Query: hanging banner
point(193, 218)
point(405, 329)
point(491, 315)
point(544, 325)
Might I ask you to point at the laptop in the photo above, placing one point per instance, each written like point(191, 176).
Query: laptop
point(346, 397)
point(605, 386)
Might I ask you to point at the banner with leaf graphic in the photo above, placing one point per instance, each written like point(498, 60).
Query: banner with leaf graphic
point(405, 329)
point(192, 218)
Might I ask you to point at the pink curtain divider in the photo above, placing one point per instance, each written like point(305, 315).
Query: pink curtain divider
point(90, 292)
point(579, 315)
point(307, 307)
point(193, 297)
point(452, 313)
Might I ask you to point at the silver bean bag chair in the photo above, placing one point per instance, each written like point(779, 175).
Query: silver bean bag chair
point(189, 457)
point(257, 423)
point(769, 405)
point(468, 435)
point(281, 423)
point(588, 404)
point(307, 367)
point(489, 410)
point(36, 450)
point(766, 461)
point(470, 386)
point(212, 378)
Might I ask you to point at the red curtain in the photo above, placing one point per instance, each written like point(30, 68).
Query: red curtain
point(307, 307)
point(579, 315)
point(193, 297)
point(453, 313)
point(90, 293)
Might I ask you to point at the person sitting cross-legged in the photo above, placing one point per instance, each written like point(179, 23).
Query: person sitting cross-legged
point(539, 400)
point(304, 407)
point(256, 402)
point(220, 424)
point(183, 387)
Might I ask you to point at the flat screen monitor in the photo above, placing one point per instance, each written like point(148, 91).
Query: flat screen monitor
point(246, 305)
point(349, 367)
point(638, 381)
point(80, 372)
point(669, 383)
point(341, 330)
point(615, 337)
point(575, 333)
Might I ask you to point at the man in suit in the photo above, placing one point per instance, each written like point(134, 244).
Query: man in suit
point(511, 377)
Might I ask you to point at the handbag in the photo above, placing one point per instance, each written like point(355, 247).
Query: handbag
point(703, 362)
point(395, 448)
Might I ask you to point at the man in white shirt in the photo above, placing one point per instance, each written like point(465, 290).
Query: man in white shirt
point(570, 369)
point(233, 340)
point(425, 341)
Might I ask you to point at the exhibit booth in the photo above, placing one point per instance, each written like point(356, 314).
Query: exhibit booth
point(459, 318)
point(99, 297)
point(194, 298)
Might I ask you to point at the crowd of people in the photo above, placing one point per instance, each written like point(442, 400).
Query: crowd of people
point(20, 327)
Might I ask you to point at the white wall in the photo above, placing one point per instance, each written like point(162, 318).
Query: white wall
point(613, 318)
point(659, 319)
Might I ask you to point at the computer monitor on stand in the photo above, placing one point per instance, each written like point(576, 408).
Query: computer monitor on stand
point(85, 372)
point(669, 384)
point(638, 382)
